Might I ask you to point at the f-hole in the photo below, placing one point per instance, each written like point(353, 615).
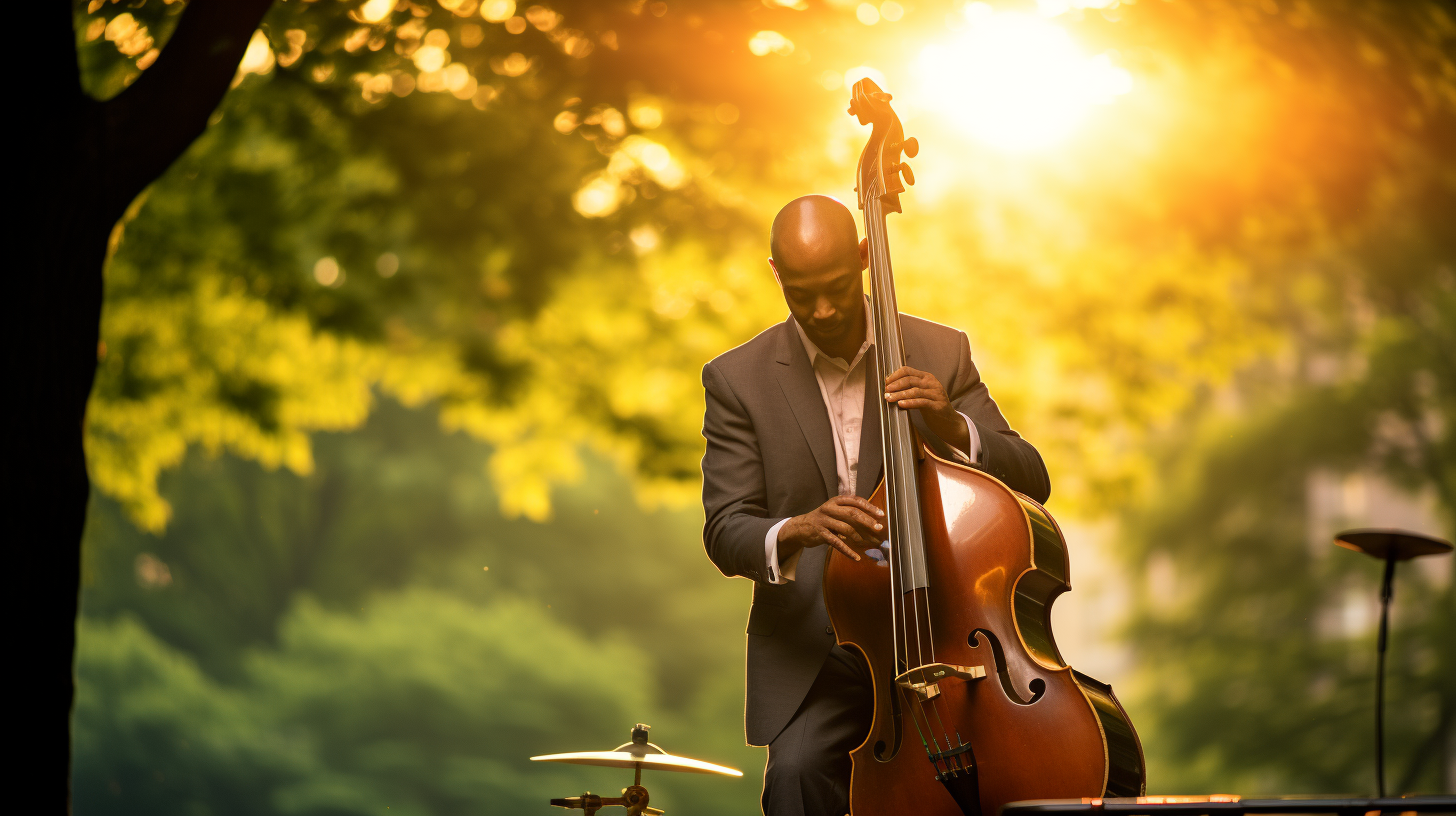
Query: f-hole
point(885, 753)
point(1037, 685)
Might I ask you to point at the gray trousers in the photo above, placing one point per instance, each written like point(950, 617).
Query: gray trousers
point(808, 762)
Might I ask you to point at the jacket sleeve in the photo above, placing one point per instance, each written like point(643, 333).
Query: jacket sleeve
point(735, 495)
point(1004, 454)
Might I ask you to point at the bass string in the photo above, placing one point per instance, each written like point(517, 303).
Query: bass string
point(889, 351)
point(882, 357)
point(884, 354)
point(883, 286)
point(894, 351)
point(885, 358)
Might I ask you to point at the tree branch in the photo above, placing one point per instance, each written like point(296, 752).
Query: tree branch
point(64, 71)
point(148, 125)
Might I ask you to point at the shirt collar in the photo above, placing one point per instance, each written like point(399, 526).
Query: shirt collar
point(815, 352)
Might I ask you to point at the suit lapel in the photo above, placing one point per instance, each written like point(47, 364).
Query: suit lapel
point(796, 378)
point(871, 451)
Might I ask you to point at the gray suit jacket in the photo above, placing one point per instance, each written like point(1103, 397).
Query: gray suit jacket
point(770, 456)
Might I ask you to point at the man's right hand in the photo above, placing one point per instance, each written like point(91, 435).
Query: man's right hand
point(846, 523)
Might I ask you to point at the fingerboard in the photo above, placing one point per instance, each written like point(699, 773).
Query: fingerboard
point(898, 439)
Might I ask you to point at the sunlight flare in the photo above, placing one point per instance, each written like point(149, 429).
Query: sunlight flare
point(1015, 81)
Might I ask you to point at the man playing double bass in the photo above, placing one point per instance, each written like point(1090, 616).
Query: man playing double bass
point(793, 433)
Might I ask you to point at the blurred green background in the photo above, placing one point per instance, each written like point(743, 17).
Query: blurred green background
point(395, 430)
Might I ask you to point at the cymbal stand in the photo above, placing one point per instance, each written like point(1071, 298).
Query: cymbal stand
point(1390, 546)
point(1387, 590)
point(634, 799)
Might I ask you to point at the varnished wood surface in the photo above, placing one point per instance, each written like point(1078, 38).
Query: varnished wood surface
point(979, 547)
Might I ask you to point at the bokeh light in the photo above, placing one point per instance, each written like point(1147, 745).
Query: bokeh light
point(770, 42)
point(498, 11)
point(375, 10)
point(327, 272)
point(645, 112)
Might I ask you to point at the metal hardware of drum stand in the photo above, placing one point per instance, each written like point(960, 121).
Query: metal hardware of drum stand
point(634, 798)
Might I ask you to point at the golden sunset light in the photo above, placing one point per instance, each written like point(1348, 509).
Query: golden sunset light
point(1014, 81)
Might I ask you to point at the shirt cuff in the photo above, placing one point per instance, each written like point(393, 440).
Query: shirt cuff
point(777, 573)
point(974, 454)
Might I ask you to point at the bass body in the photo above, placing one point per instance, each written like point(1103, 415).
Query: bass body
point(1032, 727)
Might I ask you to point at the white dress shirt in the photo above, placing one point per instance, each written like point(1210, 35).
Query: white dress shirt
point(842, 385)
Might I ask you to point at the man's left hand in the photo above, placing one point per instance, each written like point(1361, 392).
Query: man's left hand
point(910, 388)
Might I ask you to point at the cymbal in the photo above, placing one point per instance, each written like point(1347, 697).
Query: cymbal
point(1397, 545)
point(647, 762)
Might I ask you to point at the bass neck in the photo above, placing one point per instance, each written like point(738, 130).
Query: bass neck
point(899, 442)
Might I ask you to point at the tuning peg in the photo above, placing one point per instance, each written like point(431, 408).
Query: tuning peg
point(904, 169)
point(881, 96)
point(911, 147)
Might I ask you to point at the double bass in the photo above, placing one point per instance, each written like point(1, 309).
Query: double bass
point(974, 706)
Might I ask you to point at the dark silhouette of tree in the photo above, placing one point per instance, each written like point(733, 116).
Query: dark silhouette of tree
point(87, 160)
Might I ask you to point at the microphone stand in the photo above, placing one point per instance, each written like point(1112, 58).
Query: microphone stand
point(1389, 546)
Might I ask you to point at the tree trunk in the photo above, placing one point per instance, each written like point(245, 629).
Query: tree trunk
point(86, 161)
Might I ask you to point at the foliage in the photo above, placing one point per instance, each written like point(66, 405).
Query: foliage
point(433, 704)
point(331, 643)
point(154, 734)
point(613, 162)
point(421, 704)
point(380, 505)
point(1252, 683)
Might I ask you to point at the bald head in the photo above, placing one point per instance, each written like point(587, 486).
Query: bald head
point(812, 233)
point(816, 259)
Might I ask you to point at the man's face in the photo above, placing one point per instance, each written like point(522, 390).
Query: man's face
point(828, 301)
